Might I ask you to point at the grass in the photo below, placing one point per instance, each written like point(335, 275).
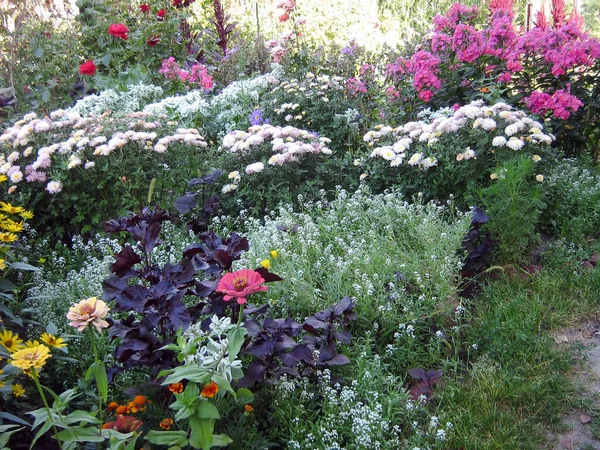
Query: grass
point(519, 386)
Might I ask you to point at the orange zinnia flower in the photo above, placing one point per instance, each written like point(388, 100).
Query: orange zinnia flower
point(248, 408)
point(140, 400)
point(210, 390)
point(121, 409)
point(165, 424)
point(176, 388)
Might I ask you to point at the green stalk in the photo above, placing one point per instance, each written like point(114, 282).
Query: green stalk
point(96, 359)
point(40, 390)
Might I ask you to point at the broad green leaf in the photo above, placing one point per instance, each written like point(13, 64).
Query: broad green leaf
point(81, 416)
point(221, 440)
point(244, 396)
point(45, 99)
point(206, 410)
point(235, 337)
point(185, 412)
point(51, 329)
point(38, 52)
point(47, 425)
point(223, 383)
point(193, 373)
point(6, 285)
point(81, 434)
point(6, 433)
point(106, 59)
point(12, 418)
point(202, 433)
point(167, 437)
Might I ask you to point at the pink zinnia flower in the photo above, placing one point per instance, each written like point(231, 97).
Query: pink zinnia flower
point(240, 285)
point(89, 311)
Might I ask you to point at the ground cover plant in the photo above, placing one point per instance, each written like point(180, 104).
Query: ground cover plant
point(255, 232)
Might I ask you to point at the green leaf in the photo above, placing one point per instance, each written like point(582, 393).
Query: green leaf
point(244, 396)
point(202, 433)
point(221, 440)
point(47, 425)
point(38, 52)
point(45, 99)
point(167, 437)
point(12, 418)
point(6, 285)
point(193, 373)
point(81, 416)
point(223, 384)
point(235, 337)
point(6, 433)
point(21, 265)
point(81, 434)
point(106, 59)
point(206, 410)
point(51, 329)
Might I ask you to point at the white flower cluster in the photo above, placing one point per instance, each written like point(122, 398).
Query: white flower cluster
point(288, 144)
point(309, 89)
point(122, 102)
point(518, 127)
point(212, 348)
point(79, 139)
point(186, 106)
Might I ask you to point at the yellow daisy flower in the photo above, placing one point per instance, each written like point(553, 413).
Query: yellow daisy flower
point(31, 344)
point(2, 264)
point(8, 237)
point(26, 215)
point(3, 178)
point(274, 254)
point(53, 341)
point(12, 226)
point(7, 207)
point(17, 390)
point(11, 341)
point(266, 263)
point(31, 358)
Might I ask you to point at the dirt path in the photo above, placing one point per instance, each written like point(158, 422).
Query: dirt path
point(578, 433)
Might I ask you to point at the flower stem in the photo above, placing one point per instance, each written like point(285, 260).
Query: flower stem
point(97, 360)
point(239, 322)
point(41, 391)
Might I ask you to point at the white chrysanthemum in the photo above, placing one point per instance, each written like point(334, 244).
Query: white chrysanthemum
point(255, 168)
point(515, 143)
point(17, 176)
point(498, 141)
point(415, 159)
point(54, 187)
point(428, 162)
point(488, 124)
point(229, 188)
point(536, 158)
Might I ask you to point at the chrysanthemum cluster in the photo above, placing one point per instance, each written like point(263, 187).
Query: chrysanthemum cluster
point(288, 145)
point(33, 146)
point(505, 126)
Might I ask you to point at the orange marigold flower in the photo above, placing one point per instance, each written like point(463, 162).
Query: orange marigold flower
point(140, 400)
point(165, 424)
point(132, 408)
point(210, 390)
point(176, 388)
point(248, 408)
point(112, 406)
point(122, 409)
point(484, 90)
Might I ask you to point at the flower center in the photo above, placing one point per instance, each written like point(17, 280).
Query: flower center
point(9, 343)
point(86, 309)
point(240, 283)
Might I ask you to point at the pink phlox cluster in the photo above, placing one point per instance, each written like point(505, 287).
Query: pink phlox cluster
point(440, 42)
point(562, 104)
point(467, 42)
point(458, 13)
point(424, 66)
point(355, 86)
point(396, 70)
point(196, 75)
point(501, 37)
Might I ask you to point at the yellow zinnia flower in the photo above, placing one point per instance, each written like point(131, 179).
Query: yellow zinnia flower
point(12, 226)
point(31, 344)
point(26, 215)
point(31, 358)
point(8, 237)
point(11, 341)
point(7, 207)
point(3, 178)
point(17, 390)
point(274, 254)
point(53, 341)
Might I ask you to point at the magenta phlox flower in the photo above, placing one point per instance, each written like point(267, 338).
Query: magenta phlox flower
point(355, 86)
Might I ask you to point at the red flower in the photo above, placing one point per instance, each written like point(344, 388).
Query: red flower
point(144, 8)
point(87, 68)
point(153, 40)
point(177, 3)
point(241, 284)
point(160, 15)
point(118, 30)
point(284, 17)
point(123, 424)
